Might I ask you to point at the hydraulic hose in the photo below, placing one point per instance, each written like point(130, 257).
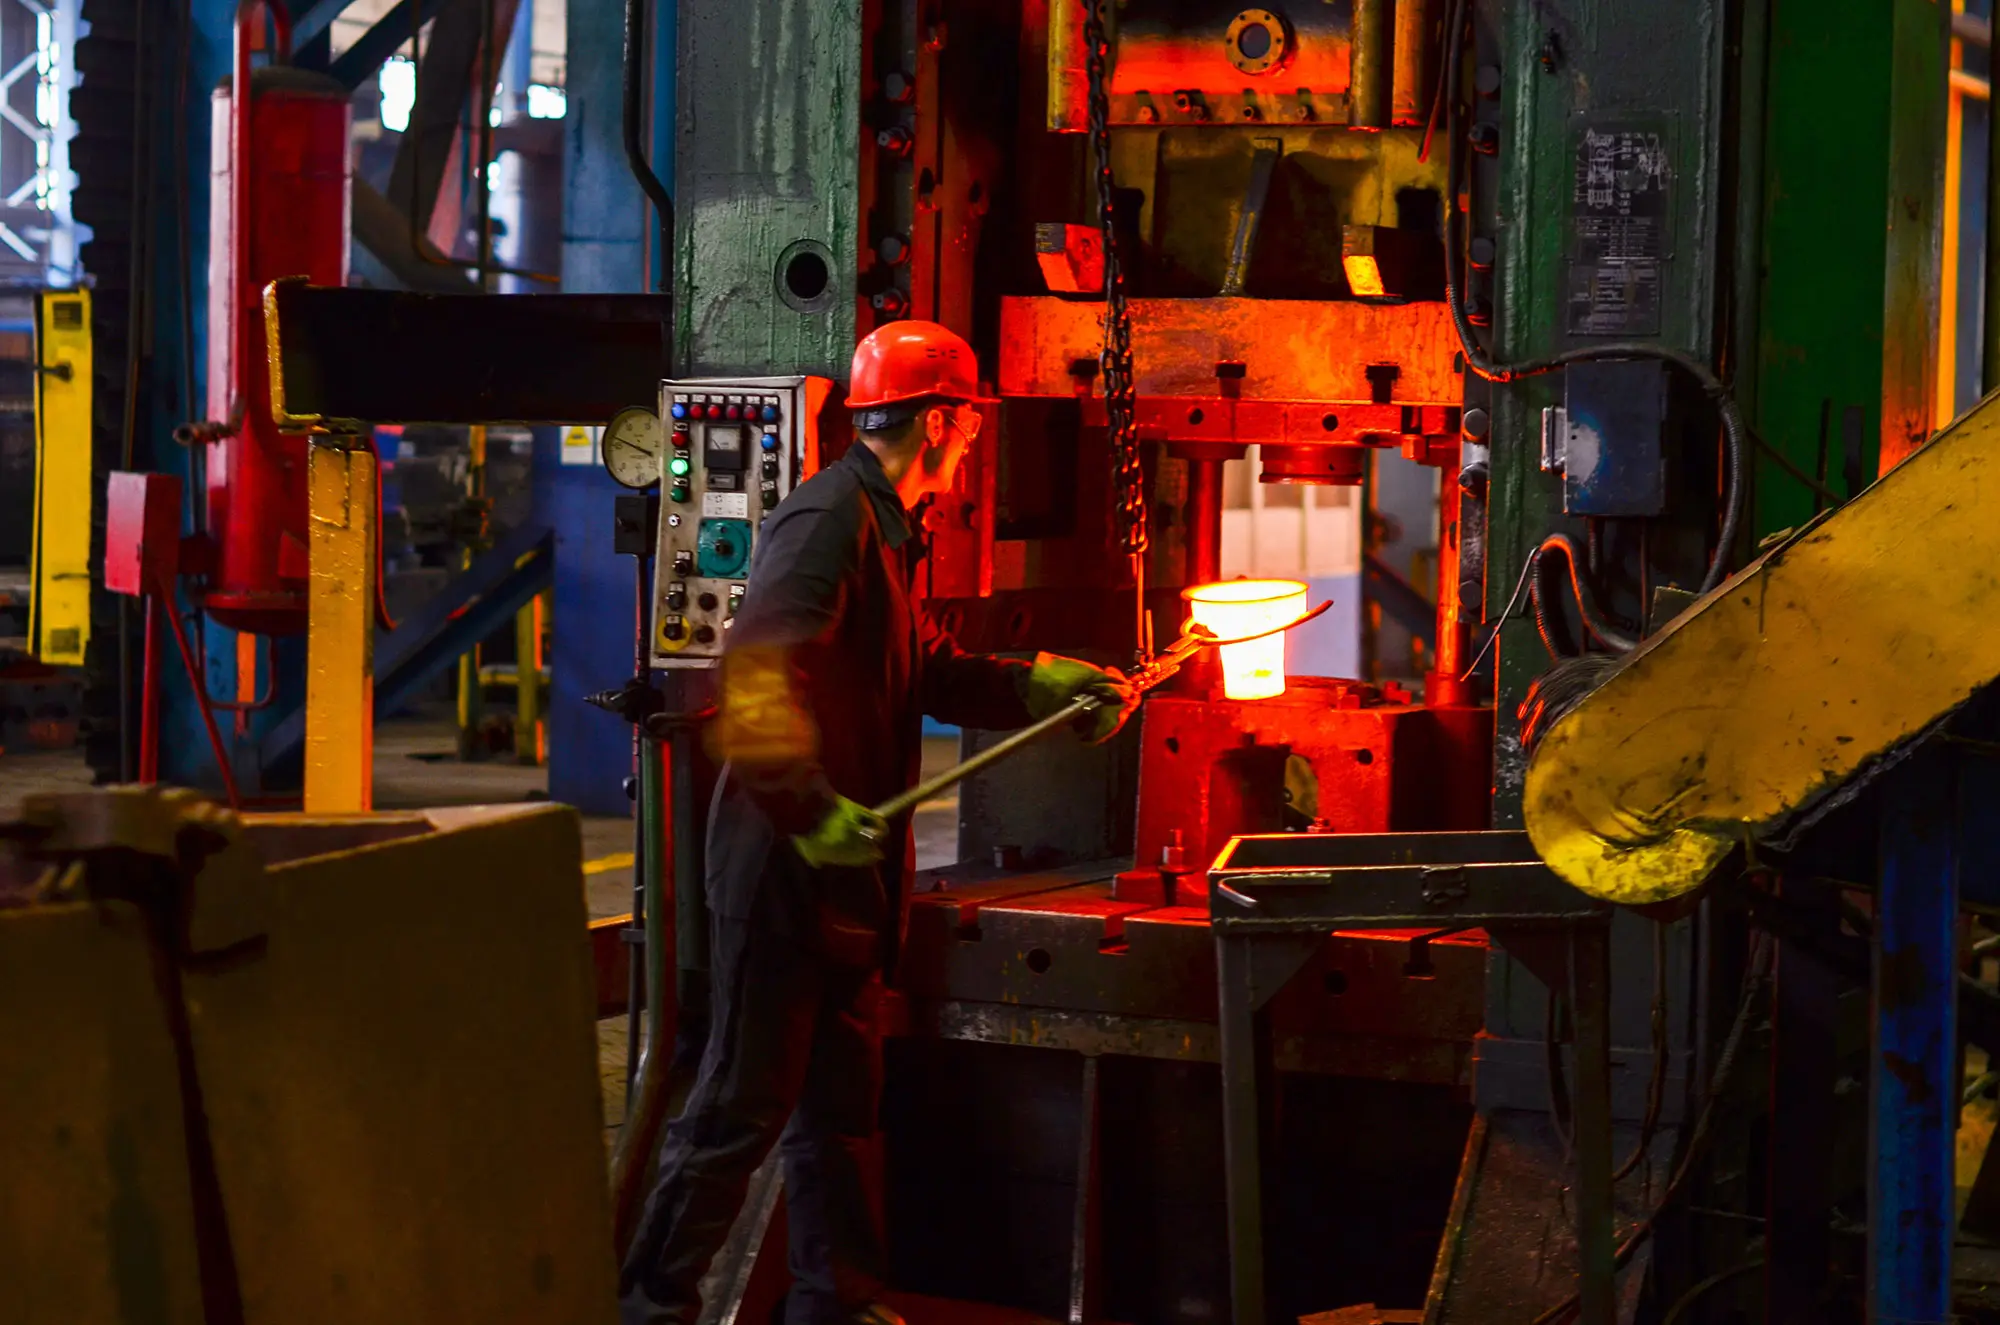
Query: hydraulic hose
point(635, 154)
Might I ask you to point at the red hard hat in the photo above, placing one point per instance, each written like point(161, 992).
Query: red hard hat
point(909, 361)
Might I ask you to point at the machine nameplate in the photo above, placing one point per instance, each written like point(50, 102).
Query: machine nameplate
point(1619, 230)
point(726, 505)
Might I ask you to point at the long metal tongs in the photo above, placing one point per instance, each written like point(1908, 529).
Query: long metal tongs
point(1194, 639)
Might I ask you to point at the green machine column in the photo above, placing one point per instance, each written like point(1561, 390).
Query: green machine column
point(1854, 125)
point(767, 186)
point(1560, 77)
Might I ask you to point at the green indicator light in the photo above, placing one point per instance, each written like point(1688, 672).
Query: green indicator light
point(678, 465)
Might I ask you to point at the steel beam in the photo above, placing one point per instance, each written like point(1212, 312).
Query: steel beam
point(447, 77)
point(1793, 682)
point(1913, 1070)
point(390, 356)
point(358, 63)
point(470, 608)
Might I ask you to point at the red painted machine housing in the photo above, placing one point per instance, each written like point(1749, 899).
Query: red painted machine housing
point(296, 173)
point(1337, 756)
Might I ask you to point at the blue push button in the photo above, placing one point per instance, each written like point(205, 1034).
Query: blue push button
point(679, 410)
point(770, 441)
point(770, 413)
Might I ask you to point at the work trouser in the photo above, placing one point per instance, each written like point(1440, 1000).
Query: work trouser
point(792, 1061)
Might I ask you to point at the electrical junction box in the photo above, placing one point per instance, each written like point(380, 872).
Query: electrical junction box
point(735, 446)
point(1608, 438)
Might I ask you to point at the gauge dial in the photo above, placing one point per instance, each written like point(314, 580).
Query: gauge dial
point(632, 444)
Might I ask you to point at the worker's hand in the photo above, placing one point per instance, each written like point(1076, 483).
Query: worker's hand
point(850, 834)
point(1055, 682)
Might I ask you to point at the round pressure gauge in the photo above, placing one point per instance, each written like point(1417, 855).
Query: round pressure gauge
point(632, 443)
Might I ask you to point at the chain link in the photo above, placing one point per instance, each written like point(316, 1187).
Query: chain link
point(1128, 476)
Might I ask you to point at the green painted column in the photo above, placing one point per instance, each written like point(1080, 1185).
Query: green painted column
point(768, 185)
point(1853, 156)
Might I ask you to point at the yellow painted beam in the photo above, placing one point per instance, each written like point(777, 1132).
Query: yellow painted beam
point(1824, 655)
point(59, 623)
point(340, 631)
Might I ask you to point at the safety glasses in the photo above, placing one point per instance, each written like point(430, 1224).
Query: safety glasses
point(968, 420)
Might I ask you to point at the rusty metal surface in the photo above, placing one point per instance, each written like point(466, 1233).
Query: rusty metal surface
point(1298, 351)
point(1300, 882)
point(97, 1223)
point(352, 1137)
point(1070, 966)
point(1176, 63)
point(1325, 752)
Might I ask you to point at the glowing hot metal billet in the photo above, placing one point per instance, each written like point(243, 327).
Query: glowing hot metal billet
point(1196, 637)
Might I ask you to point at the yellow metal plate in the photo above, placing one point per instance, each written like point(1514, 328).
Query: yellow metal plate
point(60, 612)
point(96, 1221)
point(403, 1084)
point(1824, 655)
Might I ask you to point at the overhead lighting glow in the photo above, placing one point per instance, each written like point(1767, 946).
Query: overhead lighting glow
point(1254, 669)
point(546, 103)
point(399, 93)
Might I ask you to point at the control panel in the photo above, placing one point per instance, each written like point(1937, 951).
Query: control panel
point(734, 447)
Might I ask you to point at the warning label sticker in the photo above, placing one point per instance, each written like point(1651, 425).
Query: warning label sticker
point(1620, 220)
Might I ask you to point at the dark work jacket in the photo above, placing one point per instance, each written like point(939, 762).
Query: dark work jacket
point(827, 673)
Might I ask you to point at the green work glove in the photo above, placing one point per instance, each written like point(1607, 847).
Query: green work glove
point(1055, 682)
point(850, 834)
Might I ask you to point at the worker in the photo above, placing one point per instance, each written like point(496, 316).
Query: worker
point(829, 669)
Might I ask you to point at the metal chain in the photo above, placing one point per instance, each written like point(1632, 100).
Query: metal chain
point(1128, 478)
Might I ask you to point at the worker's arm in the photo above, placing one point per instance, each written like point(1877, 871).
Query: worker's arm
point(766, 728)
point(999, 694)
point(970, 689)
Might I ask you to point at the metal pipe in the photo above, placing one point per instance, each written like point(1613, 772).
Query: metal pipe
point(149, 698)
point(986, 758)
point(1446, 684)
point(165, 591)
point(1989, 349)
point(635, 154)
point(656, 808)
point(1204, 521)
point(1368, 85)
point(482, 133)
point(1407, 87)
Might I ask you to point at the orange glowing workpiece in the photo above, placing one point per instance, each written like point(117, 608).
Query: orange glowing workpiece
point(1254, 669)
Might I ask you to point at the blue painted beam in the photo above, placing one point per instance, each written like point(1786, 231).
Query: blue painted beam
point(424, 643)
point(604, 251)
point(310, 18)
point(358, 63)
point(1913, 1083)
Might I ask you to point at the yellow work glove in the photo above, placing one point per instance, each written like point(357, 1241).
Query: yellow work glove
point(1055, 682)
point(850, 834)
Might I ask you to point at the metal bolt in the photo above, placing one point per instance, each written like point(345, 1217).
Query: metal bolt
point(1486, 80)
point(1482, 252)
point(892, 249)
point(1485, 138)
point(897, 86)
point(1147, 113)
point(1477, 422)
point(896, 141)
